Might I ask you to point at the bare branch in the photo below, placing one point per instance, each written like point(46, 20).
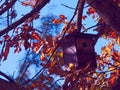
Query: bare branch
point(8, 5)
point(21, 20)
point(79, 14)
point(68, 6)
point(4, 75)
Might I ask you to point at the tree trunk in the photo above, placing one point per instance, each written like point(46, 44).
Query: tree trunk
point(109, 11)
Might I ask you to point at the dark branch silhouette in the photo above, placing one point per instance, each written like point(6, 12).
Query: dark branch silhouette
point(22, 20)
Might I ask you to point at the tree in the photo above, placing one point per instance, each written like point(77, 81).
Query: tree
point(106, 13)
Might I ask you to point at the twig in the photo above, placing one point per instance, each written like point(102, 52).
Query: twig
point(7, 6)
point(7, 77)
point(68, 6)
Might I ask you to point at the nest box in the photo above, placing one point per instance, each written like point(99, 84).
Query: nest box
point(78, 49)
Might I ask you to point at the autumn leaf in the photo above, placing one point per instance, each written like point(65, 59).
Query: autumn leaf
point(49, 41)
point(6, 37)
point(6, 52)
point(35, 35)
point(36, 46)
point(25, 3)
point(84, 17)
point(106, 50)
point(71, 66)
point(53, 63)
point(56, 21)
point(112, 79)
point(113, 34)
point(13, 14)
point(118, 41)
point(62, 17)
point(26, 44)
point(90, 11)
point(116, 55)
point(42, 57)
point(47, 50)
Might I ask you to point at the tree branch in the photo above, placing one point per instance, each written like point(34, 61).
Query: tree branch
point(21, 20)
point(79, 14)
point(4, 75)
point(8, 5)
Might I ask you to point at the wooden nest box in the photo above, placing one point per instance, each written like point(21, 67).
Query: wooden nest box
point(78, 49)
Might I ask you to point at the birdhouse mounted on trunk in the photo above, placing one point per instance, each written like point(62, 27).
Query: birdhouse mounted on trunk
point(78, 49)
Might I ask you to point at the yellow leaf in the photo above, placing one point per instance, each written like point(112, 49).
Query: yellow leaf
point(42, 57)
point(118, 41)
point(71, 65)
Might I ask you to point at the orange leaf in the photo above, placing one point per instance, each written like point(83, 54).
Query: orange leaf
point(42, 57)
point(118, 41)
point(56, 21)
point(25, 3)
point(36, 46)
point(62, 17)
point(36, 36)
point(48, 50)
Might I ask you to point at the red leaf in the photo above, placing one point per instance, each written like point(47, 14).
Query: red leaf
point(36, 36)
point(113, 34)
point(56, 21)
point(13, 14)
point(84, 17)
point(90, 11)
point(112, 79)
point(118, 41)
point(7, 48)
point(62, 17)
point(6, 37)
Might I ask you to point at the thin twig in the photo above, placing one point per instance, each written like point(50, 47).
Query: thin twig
point(7, 6)
point(68, 6)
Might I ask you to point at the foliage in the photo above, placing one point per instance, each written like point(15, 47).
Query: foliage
point(22, 33)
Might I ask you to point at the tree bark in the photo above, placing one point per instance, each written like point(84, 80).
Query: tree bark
point(109, 11)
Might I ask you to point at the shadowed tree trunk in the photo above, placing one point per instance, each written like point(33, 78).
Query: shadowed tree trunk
point(109, 11)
